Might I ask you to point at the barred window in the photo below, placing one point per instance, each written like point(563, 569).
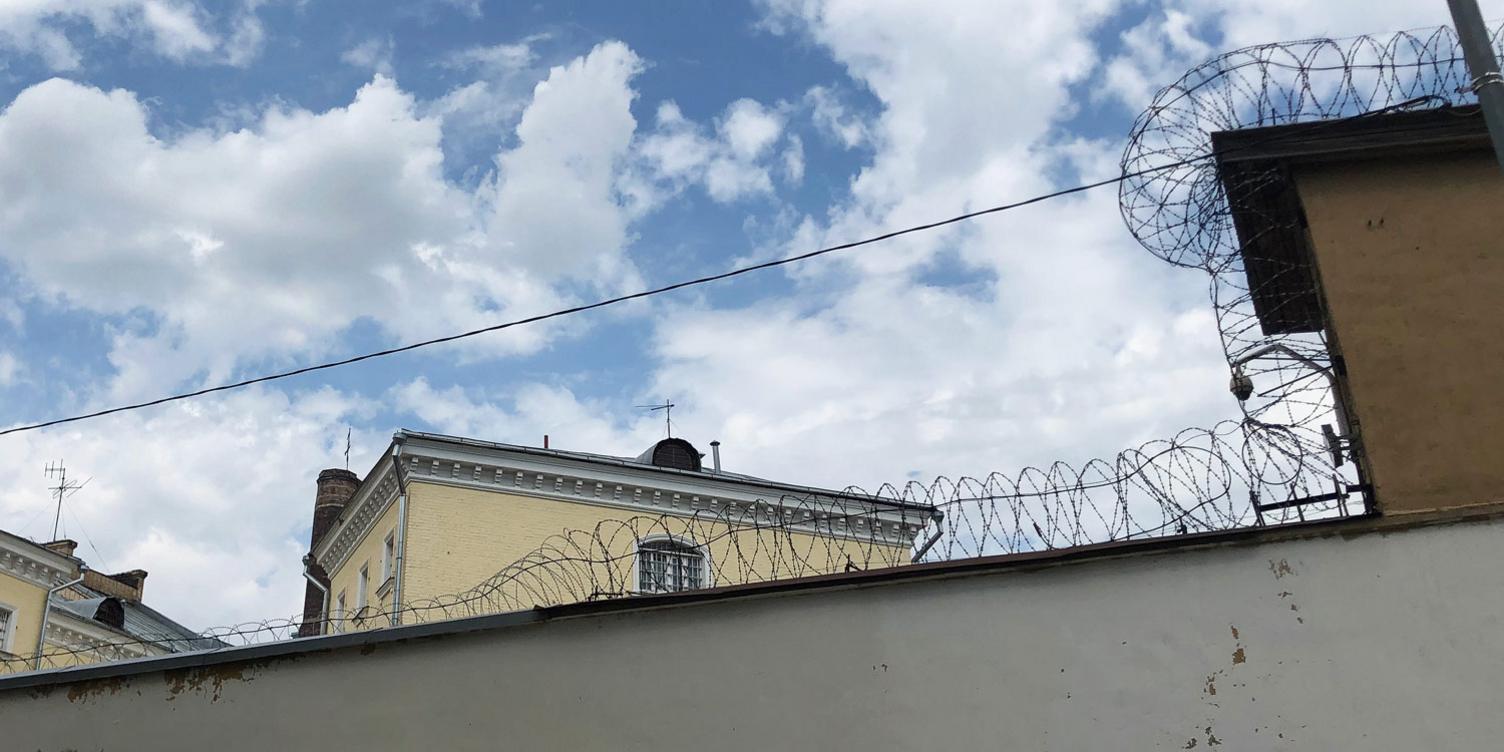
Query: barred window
point(7, 620)
point(669, 566)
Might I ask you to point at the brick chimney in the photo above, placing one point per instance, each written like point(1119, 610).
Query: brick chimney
point(126, 586)
point(62, 546)
point(335, 488)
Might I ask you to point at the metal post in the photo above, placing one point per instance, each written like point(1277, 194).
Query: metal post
point(1484, 67)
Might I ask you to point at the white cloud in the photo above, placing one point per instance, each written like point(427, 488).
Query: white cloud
point(793, 160)
point(268, 241)
point(176, 29)
point(213, 497)
point(9, 367)
point(1015, 340)
point(556, 208)
point(735, 162)
point(495, 59)
point(1155, 53)
point(832, 119)
point(534, 410)
point(373, 54)
point(749, 128)
point(1185, 33)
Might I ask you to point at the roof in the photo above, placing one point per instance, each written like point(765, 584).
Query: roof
point(1254, 165)
point(638, 463)
point(142, 621)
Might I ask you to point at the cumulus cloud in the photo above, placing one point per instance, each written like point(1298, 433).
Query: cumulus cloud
point(178, 30)
point(493, 59)
point(266, 242)
point(525, 414)
point(556, 207)
point(213, 498)
point(1183, 33)
point(832, 118)
point(374, 54)
point(732, 161)
point(1017, 340)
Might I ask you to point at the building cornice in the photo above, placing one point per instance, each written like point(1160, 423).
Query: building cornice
point(642, 491)
point(376, 494)
point(28, 561)
point(68, 630)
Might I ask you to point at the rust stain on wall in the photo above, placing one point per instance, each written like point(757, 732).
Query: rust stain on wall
point(1238, 656)
point(1280, 568)
point(89, 689)
point(211, 677)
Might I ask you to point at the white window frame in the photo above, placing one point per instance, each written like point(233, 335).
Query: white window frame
point(707, 577)
point(362, 586)
point(8, 633)
point(339, 612)
point(388, 553)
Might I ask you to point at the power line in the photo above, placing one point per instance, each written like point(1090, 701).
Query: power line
point(737, 272)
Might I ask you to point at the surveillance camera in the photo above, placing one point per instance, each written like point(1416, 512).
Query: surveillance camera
point(1241, 386)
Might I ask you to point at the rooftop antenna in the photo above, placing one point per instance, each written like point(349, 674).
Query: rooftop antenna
point(63, 489)
point(668, 411)
point(347, 448)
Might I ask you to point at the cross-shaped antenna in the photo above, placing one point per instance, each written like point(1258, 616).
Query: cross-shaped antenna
point(63, 489)
point(668, 412)
point(347, 447)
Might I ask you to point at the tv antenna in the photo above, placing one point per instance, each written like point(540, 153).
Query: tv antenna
point(668, 411)
point(63, 490)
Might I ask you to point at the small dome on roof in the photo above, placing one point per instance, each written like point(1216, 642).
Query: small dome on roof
point(675, 453)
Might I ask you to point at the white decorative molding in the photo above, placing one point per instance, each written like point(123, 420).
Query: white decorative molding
point(69, 631)
point(31, 562)
point(636, 488)
point(371, 500)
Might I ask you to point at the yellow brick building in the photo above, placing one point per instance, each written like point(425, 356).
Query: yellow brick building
point(86, 616)
point(445, 526)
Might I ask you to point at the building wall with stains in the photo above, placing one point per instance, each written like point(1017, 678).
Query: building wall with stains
point(1408, 253)
point(1365, 634)
point(459, 537)
point(345, 579)
point(24, 600)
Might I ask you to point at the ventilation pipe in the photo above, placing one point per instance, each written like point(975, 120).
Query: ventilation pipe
point(715, 455)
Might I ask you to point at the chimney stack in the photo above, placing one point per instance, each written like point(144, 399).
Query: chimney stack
point(127, 586)
point(62, 546)
point(336, 486)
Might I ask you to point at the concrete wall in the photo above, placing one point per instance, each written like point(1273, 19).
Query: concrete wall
point(1354, 640)
point(1410, 259)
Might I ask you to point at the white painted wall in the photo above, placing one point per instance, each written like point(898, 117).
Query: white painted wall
point(1375, 642)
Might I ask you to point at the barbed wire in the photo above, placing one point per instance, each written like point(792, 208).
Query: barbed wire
point(1274, 465)
point(1190, 483)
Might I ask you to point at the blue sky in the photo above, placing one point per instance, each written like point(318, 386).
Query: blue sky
point(195, 193)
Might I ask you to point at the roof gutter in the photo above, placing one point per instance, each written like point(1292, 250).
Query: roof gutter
point(401, 552)
point(36, 662)
point(314, 581)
